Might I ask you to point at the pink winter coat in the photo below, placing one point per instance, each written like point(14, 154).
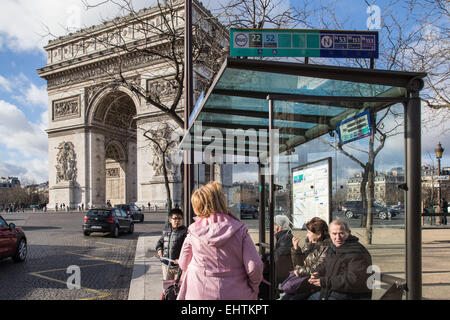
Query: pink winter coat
point(219, 261)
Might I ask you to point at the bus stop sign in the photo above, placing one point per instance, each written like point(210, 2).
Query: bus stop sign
point(303, 43)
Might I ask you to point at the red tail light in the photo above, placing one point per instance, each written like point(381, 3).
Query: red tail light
point(85, 219)
point(110, 220)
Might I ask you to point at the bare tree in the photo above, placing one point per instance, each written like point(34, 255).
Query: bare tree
point(164, 39)
point(406, 43)
point(163, 141)
point(381, 132)
point(255, 14)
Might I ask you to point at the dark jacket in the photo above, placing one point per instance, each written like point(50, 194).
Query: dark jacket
point(343, 275)
point(171, 242)
point(308, 258)
point(282, 255)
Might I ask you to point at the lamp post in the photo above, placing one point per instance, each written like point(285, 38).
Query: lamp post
point(438, 151)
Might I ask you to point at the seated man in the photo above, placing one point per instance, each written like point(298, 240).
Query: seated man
point(343, 275)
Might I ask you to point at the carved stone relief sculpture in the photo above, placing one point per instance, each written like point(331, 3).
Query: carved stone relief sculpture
point(66, 108)
point(66, 169)
point(112, 173)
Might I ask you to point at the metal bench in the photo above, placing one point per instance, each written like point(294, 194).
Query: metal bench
point(397, 288)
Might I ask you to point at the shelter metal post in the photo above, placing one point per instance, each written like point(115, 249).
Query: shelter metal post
point(188, 167)
point(271, 201)
point(262, 207)
point(413, 194)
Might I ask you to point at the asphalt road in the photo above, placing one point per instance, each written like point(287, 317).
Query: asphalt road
point(55, 243)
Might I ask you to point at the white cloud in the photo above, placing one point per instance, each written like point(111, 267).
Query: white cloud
point(28, 25)
point(33, 170)
point(5, 84)
point(31, 94)
point(24, 145)
point(17, 133)
point(35, 95)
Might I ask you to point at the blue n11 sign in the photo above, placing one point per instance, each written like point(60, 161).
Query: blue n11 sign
point(355, 128)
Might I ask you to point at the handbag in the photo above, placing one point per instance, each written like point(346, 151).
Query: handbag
point(292, 283)
point(173, 288)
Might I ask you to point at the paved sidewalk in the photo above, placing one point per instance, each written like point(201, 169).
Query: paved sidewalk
point(387, 251)
point(146, 281)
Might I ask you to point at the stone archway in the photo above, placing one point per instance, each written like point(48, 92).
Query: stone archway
point(116, 173)
point(113, 148)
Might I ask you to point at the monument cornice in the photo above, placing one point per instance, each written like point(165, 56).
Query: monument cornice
point(121, 22)
point(90, 127)
point(102, 69)
point(103, 56)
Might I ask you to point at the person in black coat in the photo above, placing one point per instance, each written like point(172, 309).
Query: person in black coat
point(170, 243)
point(344, 273)
point(283, 246)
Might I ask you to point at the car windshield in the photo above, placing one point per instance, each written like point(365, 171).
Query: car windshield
point(3, 223)
point(134, 207)
point(98, 213)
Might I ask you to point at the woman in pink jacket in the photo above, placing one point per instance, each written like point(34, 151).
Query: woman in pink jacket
point(218, 257)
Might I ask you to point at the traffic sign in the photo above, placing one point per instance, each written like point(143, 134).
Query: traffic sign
point(303, 43)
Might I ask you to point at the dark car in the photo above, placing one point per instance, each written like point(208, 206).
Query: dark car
point(13, 242)
point(242, 210)
point(353, 209)
point(107, 220)
point(133, 210)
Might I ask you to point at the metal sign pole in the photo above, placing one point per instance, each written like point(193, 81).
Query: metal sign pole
point(271, 202)
point(188, 183)
point(413, 193)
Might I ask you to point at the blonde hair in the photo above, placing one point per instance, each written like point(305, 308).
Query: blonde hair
point(208, 200)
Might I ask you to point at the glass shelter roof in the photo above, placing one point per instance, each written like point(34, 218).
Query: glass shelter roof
point(309, 100)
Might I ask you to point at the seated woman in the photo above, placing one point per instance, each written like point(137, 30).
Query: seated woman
point(307, 258)
point(283, 247)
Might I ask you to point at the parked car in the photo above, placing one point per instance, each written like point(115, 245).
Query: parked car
point(108, 220)
point(13, 242)
point(242, 210)
point(353, 209)
point(133, 210)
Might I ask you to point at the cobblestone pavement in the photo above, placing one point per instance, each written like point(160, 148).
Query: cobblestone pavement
point(55, 242)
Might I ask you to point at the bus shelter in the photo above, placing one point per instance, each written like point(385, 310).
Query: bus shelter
point(263, 110)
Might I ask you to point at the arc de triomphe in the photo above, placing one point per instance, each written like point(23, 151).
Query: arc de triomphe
point(96, 152)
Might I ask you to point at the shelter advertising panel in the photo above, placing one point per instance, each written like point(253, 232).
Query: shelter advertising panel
point(311, 192)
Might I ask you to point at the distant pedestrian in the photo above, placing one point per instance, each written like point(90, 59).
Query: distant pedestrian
point(82, 206)
point(170, 243)
point(148, 206)
point(219, 259)
point(444, 209)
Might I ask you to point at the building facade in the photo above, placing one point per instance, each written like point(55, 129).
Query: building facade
point(386, 187)
point(9, 182)
point(104, 85)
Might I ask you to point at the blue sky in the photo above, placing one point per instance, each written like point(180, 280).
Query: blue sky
point(24, 28)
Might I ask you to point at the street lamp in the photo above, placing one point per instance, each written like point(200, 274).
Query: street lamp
point(439, 150)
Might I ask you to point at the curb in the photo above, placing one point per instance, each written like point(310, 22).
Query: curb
point(146, 281)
